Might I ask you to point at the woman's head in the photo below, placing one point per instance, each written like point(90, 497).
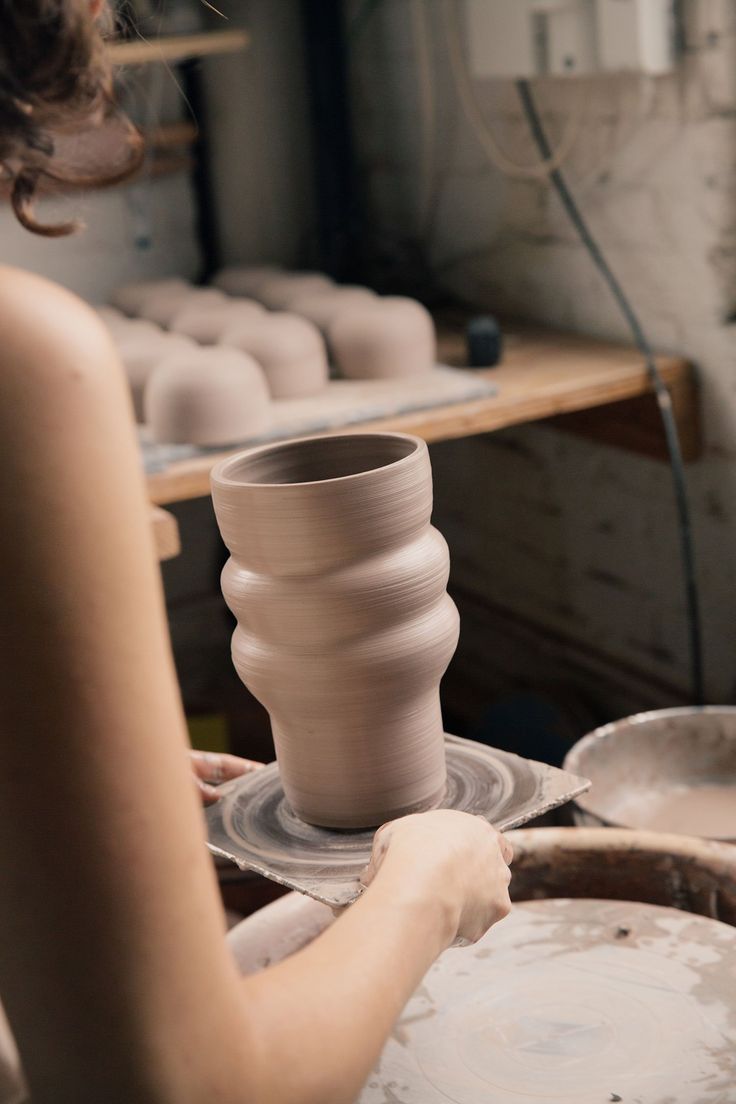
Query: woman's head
point(54, 79)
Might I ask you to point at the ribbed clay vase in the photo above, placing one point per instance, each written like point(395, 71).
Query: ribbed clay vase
point(337, 581)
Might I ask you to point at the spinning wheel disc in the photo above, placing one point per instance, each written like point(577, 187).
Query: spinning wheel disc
point(572, 1002)
point(254, 825)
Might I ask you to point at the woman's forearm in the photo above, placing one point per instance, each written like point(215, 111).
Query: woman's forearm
point(322, 1050)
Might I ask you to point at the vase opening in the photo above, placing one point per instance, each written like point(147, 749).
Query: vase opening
point(319, 459)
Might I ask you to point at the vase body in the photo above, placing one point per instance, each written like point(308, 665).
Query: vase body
point(337, 581)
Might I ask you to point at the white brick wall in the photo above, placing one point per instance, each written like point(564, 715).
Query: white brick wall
point(105, 254)
point(578, 536)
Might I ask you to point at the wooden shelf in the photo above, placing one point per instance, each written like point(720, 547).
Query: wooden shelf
point(173, 48)
point(544, 375)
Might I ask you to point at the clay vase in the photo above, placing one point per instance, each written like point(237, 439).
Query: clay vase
point(206, 323)
point(209, 397)
point(345, 628)
point(388, 337)
point(289, 349)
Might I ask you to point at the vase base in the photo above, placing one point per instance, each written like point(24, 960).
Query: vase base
point(254, 826)
point(349, 824)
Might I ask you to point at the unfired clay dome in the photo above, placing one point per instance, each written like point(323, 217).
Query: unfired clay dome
point(322, 307)
point(110, 316)
point(391, 337)
point(141, 354)
point(244, 279)
point(124, 328)
point(163, 306)
point(211, 396)
point(131, 297)
point(289, 349)
point(279, 291)
point(205, 323)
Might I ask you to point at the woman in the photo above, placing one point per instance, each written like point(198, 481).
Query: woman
point(114, 972)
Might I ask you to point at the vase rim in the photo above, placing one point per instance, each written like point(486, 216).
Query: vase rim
point(223, 472)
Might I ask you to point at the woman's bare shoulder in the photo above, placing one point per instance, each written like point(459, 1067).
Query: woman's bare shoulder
point(47, 331)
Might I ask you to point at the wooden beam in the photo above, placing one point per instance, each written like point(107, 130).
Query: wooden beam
point(636, 424)
point(174, 48)
point(172, 135)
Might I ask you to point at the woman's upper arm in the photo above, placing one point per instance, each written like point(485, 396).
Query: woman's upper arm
point(108, 912)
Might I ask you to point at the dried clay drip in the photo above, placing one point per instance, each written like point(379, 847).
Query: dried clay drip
point(344, 629)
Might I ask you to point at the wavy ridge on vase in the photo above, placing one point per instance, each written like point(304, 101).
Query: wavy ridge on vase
point(338, 583)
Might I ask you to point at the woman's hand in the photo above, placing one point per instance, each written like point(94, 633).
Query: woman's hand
point(212, 768)
point(458, 860)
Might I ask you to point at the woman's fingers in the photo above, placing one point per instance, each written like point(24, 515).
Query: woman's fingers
point(381, 841)
point(212, 768)
point(209, 794)
point(506, 850)
point(217, 767)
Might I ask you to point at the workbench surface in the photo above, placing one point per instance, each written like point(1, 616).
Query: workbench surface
point(544, 374)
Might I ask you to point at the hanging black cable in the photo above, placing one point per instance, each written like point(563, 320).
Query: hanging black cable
point(664, 399)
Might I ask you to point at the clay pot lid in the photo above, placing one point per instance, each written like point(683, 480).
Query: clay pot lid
point(109, 315)
point(130, 297)
point(322, 306)
point(125, 329)
point(244, 279)
point(195, 317)
point(636, 762)
point(274, 337)
point(400, 320)
point(143, 352)
point(162, 306)
point(206, 396)
point(225, 473)
point(279, 291)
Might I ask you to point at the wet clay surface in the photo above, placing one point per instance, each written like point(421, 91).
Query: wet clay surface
point(672, 770)
point(345, 628)
point(254, 825)
point(708, 810)
point(625, 864)
point(572, 1002)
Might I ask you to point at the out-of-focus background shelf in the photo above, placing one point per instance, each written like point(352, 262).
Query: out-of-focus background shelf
point(582, 385)
point(173, 48)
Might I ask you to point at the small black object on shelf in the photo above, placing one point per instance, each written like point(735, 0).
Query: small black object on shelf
point(484, 341)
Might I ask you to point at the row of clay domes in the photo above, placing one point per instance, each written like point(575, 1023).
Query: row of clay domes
point(188, 393)
point(368, 336)
point(208, 377)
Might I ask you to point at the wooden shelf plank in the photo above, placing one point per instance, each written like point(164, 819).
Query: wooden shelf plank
point(174, 48)
point(544, 374)
point(172, 135)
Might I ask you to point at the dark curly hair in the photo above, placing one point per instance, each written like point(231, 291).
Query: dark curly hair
point(54, 79)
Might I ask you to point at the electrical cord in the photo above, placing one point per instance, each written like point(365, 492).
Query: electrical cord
point(472, 111)
point(664, 399)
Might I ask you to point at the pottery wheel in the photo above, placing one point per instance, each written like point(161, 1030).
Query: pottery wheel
point(253, 824)
point(572, 1002)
